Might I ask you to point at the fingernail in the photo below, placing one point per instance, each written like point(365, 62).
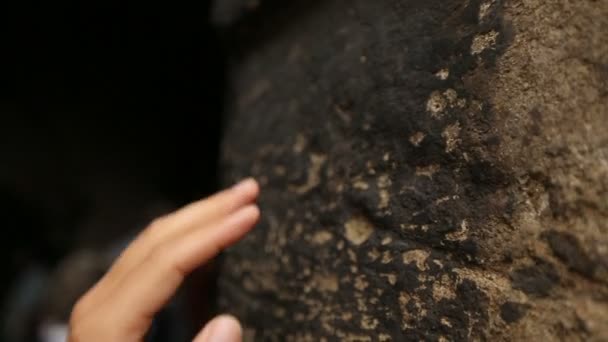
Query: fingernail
point(224, 329)
point(246, 185)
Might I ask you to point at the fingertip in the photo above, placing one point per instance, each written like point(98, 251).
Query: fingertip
point(223, 328)
point(247, 217)
point(235, 227)
point(248, 187)
point(254, 211)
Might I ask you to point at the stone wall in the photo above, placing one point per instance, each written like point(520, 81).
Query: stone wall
point(431, 170)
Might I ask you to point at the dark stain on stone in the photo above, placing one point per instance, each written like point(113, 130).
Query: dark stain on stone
point(537, 122)
point(536, 280)
point(405, 44)
point(511, 312)
point(492, 140)
point(568, 249)
point(468, 248)
point(467, 311)
point(556, 202)
point(486, 175)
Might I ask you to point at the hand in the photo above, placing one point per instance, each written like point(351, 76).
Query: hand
point(122, 305)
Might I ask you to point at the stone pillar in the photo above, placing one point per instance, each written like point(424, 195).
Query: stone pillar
point(431, 170)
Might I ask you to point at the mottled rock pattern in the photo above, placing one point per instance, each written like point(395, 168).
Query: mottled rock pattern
point(431, 170)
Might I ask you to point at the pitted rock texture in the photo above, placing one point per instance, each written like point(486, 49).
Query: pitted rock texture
point(431, 170)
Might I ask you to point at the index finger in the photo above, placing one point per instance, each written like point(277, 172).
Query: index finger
point(179, 222)
point(148, 287)
point(197, 214)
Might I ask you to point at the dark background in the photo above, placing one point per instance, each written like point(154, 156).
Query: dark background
point(110, 114)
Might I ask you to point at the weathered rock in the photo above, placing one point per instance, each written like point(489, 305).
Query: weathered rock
point(431, 170)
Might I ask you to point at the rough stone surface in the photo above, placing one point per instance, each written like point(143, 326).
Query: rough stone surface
point(431, 170)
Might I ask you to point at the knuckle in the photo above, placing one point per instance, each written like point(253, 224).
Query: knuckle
point(157, 225)
point(77, 323)
point(164, 257)
point(88, 323)
point(160, 254)
point(77, 334)
point(77, 312)
point(87, 330)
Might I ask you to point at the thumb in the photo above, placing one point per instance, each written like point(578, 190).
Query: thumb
point(224, 328)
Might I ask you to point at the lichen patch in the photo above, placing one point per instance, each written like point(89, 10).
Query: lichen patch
point(443, 74)
point(360, 185)
point(409, 317)
point(485, 9)
point(443, 289)
point(445, 321)
point(417, 256)
point(390, 277)
point(373, 254)
point(386, 257)
point(386, 240)
point(368, 322)
point(436, 104)
point(417, 138)
point(460, 234)
point(322, 237)
point(383, 196)
point(427, 170)
point(483, 42)
point(360, 283)
point(314, 174)
point(326, 282)
point(451, 136)
point(357, 230)
point(384, 338)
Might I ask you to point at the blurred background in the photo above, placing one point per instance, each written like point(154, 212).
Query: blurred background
point(110, 113)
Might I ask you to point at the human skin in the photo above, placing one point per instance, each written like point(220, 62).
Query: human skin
point(122, 305)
